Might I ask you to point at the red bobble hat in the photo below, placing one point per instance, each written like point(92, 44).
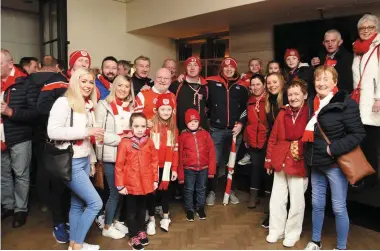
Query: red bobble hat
point(292, 52)
point(229, 61)
point(77, 54)
point(193, 59)
point(165, 99)
point(191, 114)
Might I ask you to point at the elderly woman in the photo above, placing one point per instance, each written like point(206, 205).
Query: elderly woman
point(339, 118)
point(366, 73)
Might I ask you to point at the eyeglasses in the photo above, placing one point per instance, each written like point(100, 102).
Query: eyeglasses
point(368, 28)
point(162, 78)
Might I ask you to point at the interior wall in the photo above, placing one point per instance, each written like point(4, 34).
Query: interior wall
point(256, 39)
point(20, 33)
point(99, 26)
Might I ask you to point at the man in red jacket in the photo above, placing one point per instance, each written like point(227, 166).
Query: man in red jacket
point(196, 163)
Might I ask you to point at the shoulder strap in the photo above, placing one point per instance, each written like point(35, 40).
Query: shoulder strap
point(366, 63)
point(323, 134)
point(258, 119)
point(105, 127)
point(178, 89)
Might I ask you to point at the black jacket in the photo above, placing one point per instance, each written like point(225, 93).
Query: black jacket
point(343, 67)
point(21, 97)
point(341, 122)
point(138, 83)
point(305, 73)
point(274, 109)
point(185, 100)
point(227, 101)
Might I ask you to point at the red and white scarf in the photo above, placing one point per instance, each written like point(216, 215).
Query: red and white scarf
point(89, 109)
point(308, 135)
point(104, 81)
point(120, 128)
point(169, 148)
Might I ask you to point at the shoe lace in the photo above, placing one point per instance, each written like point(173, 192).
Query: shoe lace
point(142, 235)
point(135, 241)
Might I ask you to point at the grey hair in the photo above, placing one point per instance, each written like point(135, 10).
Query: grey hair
point(371, 18)
point(334, 31)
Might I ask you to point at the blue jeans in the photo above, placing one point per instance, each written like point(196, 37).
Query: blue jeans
point(113, 199)
point(320, 178)
point(85, 201)
point(221, 139)
point(195, 180)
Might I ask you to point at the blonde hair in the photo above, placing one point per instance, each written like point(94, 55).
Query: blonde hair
point(73, 93)
point(325, 68)
point(280, 98)
point(261, 65)
point(112, 96)
point(171, 125)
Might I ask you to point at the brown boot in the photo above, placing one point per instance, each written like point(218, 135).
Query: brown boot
point(252, 198)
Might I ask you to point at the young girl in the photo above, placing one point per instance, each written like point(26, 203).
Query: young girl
point(164, 135)
point(255, 66)
point(196, 163)
point(136, 176)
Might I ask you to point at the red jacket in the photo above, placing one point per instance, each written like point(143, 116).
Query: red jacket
point(278, 155)
point(136, 166)
point(256, 133)
point(196, 152)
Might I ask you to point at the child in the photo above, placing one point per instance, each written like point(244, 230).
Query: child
point(196, 163)
point(136, 176)
point(164, 135)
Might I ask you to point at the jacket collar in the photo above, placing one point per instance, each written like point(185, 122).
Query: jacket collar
point(339, 101)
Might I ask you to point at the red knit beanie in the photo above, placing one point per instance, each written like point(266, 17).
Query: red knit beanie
point(229, 61)
point(193, 59)
point(165, 99)
point(77, 54)
point(292, 52)
point(190, 115)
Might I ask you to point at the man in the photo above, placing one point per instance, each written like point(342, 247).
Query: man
point(227, 101)
point(49, 189)
point(336, 55)
point(29, 64)
point(146, 99)
point(171, 65)
point(192, 92)
point(18, 112)
point(123, 68)
point(104, 81)
point(78, 59)
point(140, 78)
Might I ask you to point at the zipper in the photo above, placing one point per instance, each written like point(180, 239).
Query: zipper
point(228, 103)
point(196, 147)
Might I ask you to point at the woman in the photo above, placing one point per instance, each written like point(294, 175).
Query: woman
point(285, 157)
point(275, 99)
point(79, 101)
point(112, 114)
point(255, 136)
point(338, 116)
point(273, 66)
point(366, 63)
point(298, 70)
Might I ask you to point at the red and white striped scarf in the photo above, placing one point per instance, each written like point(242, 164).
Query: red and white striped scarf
point(120, 128)
point(89, 109)
point(169, 148)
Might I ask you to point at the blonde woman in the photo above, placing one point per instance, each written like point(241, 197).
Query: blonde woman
point(112, 114)
point(79, 101)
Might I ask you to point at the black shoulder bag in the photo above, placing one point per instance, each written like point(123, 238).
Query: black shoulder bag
point(58, 162)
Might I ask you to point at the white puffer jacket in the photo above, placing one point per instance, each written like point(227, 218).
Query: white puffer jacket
point(104, 116)
point(370, 84)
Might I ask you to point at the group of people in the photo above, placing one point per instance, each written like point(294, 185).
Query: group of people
point(150, 133)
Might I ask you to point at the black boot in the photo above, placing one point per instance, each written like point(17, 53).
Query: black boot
point(19, 219)
point(252, 198)
point(5, 213)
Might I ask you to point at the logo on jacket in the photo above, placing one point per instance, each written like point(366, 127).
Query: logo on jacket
point(83, 53)
point(219, 84)
point(227, 61)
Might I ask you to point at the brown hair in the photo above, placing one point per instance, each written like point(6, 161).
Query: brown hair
point(280, 99)
point(298, 82)
point(136, 115)
point(325, 68)
point(260, 62)
point(144, 58)
point(171, 125)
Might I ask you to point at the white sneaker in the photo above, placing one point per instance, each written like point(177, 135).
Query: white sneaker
point(245, 160)
point(165, 224)
point(233, 198)
point(210, 200)
point(100, 221)
point(113, 233)
point(289, 243)
point(87, 246)
point(312, 246)
point(271, 238)
point(121, 227)
point(151, 228)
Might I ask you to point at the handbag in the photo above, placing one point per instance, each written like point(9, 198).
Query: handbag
point(354, 164)
point(58, 162)
point(99, 167)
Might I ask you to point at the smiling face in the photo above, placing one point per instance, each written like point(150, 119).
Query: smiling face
point(82, 62)
point(256, 87)
point(123, 89)
point(193, 69)
point(324, 83)
point(296, 96)
point(139, 125)
point(367, 30)
point(292, 62)
point(86, 85)
point(165, 112)
point(109, 70)
point(142, 68)
point(229, 71)
point(163, 80)
point(273, 67)
point(255, 66)
point(274, 84)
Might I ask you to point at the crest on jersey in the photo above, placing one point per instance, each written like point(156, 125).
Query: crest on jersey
point(154, 100)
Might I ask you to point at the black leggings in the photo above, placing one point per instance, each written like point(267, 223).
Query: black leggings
point(259, 177)
point(135, 213)
point(160, 197)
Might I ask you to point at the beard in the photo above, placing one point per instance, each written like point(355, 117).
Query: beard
point(110, 77)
